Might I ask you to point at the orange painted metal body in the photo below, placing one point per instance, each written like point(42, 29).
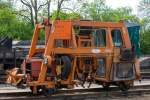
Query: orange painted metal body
point(65, 38)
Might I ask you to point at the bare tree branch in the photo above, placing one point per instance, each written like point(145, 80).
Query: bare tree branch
point(25, 3)
point(43, 5)
point(59, 4)
point(21, 14)
point(72, 10)
point(32, 3)
point(48, 10)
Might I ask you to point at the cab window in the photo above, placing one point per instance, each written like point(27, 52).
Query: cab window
point(101, 67)
point(100, 38)
point(116, 37)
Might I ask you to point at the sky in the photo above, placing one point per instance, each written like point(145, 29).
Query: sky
point(124, 3)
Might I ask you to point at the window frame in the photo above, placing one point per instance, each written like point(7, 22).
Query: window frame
point(106, 40)
point(105, 62)
point(121, 37)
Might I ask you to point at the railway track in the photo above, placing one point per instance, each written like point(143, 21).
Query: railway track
point(79, 94)
point(145, 74)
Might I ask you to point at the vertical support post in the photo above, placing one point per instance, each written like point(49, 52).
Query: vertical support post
point(47, 32)
point(72, 73)
point(34, 40)
point(34, 89)
point(15, 57)
point(74, 67)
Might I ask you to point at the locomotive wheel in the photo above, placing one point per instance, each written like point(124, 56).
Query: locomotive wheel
point(47, 91)
point(106, 86)
point(67, 67)
point(123, 86)
point(38, 89)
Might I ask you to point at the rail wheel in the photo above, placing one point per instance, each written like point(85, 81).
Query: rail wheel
point(38, 89)
point(48, 91)
point(106, 86)
point(123, 86)
point(67, 67)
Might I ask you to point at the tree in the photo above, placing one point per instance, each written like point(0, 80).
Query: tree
point(145, 44)
point(99, 11)
point(59, 6)
point(10, 26)
point(32, 7)
point(122, 13)
point(144, 24)
point(48, 9)
point(144, 8)
point(64, 15)
point(93, 10)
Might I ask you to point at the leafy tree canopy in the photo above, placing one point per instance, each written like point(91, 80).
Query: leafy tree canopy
point(64, 15)
point(145, 42)
point(10, 26)
point(99, 11)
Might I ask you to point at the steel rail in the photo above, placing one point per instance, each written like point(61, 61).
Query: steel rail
point(81, 94)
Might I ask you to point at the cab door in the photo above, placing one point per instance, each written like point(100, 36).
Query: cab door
point(122, 69)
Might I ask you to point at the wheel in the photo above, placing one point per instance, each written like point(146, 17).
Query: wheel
point(123, 86)
point(20, 84)
point(48, 91)
point(67, 67)
point(38, 89)
point(106, 86)
point(70, 86)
